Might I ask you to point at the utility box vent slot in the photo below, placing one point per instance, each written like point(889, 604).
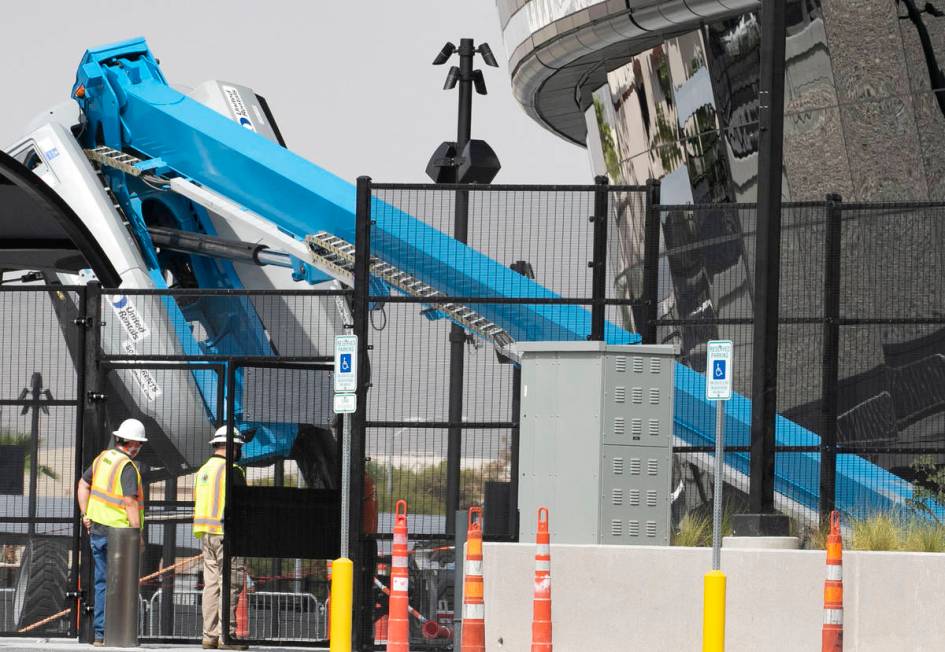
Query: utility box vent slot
point(620, 394)
point(619, 426)
point(651, 498)
point(620, 363)
point(655, 427)
point(618, 466)
point(651, 528)
point(653, 467)
point(654, 396)
point(636, 427)
point(635, 466)
point(616, 527)
point(636, 395)
point(637, 364)
point(617, 497)
point(633, 528)
point(634, 497)
point(655, 367)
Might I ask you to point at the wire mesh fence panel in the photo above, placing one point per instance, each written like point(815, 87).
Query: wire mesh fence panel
point(40, 348)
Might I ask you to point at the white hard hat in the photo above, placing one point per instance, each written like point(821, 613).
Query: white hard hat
point(131, 430)
point(219, 437)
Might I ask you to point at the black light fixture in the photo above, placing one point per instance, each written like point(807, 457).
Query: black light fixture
point(451, 78)
point(487, 57)
point(445, 53)
point(464, 160)
point(479, 82)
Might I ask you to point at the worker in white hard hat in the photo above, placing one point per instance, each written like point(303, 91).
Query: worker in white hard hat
point(209, 501)
point(110, 496)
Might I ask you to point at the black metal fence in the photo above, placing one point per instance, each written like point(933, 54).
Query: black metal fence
point(860, 345)
point(861, 378)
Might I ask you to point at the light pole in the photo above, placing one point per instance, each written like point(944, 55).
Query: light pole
point(462, 161)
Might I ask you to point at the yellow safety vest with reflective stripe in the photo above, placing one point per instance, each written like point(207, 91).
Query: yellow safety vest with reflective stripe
point(210, 496)
point(106, 505)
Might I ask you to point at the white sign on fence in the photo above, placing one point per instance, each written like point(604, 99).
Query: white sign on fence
point(718, 371)
point(346, 363)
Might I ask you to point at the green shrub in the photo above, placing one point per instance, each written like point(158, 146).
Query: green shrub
point(694, 531)
point(880, 531)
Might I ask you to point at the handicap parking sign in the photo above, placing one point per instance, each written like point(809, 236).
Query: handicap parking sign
point(718, 370)
point(346, 363)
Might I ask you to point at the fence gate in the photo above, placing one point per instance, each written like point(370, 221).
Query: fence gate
point(42, 342)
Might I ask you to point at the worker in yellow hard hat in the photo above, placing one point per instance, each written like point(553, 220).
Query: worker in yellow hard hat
point(209, 501)
point(110, 496)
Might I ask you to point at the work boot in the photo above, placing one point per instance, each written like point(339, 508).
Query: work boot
point(209, 643)
point(98, 643)
point(231, 646)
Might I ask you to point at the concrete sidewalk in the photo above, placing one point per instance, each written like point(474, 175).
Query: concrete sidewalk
point(71, 645)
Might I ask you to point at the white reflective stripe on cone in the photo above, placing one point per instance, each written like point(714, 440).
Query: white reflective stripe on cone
point(474, 611)
point(400, 538)
point(835, 572)
point(833, 616)
point(474, 567)
point(542, 565)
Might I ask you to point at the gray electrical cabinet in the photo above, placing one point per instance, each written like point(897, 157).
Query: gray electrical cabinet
point(596, 441)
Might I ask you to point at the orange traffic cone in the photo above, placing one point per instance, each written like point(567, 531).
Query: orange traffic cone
point(833, 589)
point(474, 610)
point(242, 613)
point(398, 625)
point(541, 616)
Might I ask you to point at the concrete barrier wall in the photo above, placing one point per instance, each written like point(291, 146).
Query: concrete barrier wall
point(642, 598)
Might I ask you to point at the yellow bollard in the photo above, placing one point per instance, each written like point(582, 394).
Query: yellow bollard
point(713, 612)
point(342, 587)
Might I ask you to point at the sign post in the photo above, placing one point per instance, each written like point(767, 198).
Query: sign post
point(345, 402)
point(718, 388)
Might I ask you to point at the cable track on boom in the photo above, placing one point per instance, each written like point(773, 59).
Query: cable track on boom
point(339, 253)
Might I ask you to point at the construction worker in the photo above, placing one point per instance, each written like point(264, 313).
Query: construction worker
point(209, 500)
point(110, 496)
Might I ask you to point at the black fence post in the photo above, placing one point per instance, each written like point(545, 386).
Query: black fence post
point(830, 404)
point(651, 261)
point(361, 634)
point(514, 448)
point(599, 264)
point(168, 559)
point(84, 328)
point(92, 400)
point(230, 422)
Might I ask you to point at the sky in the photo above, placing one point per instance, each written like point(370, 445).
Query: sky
point(350, 82)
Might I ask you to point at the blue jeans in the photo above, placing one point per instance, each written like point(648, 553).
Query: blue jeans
point(100, 555)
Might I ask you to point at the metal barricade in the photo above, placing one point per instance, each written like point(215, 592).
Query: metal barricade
point(273, 616)
point(7, 597)
point(279, 616)
point(188, 620)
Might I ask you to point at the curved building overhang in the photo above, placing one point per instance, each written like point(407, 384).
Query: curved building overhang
point(560, 51)
point(38, 230)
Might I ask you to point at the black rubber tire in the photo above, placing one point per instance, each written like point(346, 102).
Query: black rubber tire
point(41, 584)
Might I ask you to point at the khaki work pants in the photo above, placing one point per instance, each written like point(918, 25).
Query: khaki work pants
point(212, 548)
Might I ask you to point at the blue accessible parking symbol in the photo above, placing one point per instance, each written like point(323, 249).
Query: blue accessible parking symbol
point(718, 369)
point(345, 362)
